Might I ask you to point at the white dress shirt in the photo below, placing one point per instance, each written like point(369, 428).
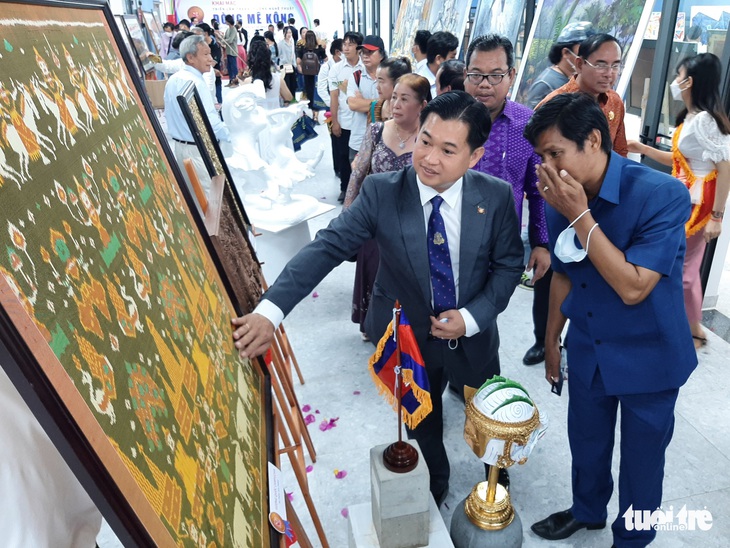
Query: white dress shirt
point(451, 213)
point(428, 75)
point(338, 74)
point(176, 124)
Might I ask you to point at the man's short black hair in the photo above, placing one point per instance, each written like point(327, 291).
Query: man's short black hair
point(291, 21)
point(441, 43)
point(353, 36)
point(491, 42)
point(460, 106)
point(168, 25)
point(421, 40)
point(316, 22)
point(592, 43)
point(336, 45)
point(556, 51)
point(179, 37)
point(183, 22)
point(229, 19)
point(280, 25)
point(575, 115)
point(452, 74)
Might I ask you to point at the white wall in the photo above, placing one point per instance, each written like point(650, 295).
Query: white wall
point(329, 13)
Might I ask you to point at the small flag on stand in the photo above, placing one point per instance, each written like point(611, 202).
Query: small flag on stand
point(383, 365)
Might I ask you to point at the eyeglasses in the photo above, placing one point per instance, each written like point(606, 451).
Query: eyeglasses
point(477, 78)
point(604, 67)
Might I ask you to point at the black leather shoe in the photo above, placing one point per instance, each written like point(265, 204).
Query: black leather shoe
point(341, 197)
point(561, 525)
point(535, 354)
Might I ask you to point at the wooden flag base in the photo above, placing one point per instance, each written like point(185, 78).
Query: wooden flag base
point(400, 457)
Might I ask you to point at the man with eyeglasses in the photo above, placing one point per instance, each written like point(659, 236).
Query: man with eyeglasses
point(509, 156)
point(598, 65)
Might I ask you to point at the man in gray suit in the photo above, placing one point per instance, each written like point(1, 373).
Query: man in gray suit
point(450, 251)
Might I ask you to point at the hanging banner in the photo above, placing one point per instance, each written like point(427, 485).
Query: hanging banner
point(254, 14)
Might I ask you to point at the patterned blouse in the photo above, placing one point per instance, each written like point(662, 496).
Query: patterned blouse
point(374, 157)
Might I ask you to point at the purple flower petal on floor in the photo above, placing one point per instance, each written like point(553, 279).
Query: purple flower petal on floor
point(315, 295)
point(309, 468)
point(309, 419)
point(339, 474)
point(356, 392)
point(306, 408)
point(345, 512)
point(328, 424)
point(290, 496)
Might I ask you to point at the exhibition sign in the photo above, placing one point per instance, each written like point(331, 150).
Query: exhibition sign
point(624, 19)
point(114, 318)
point(252, 13)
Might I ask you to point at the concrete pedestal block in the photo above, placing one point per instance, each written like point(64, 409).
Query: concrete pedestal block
point(399, 502)
point(464, 534)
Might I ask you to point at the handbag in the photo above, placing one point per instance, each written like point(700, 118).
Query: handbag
point(288, 68)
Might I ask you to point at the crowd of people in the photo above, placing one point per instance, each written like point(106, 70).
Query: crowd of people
point(435, 161)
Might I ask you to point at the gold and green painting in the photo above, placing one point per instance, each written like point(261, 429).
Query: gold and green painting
point(108, 290)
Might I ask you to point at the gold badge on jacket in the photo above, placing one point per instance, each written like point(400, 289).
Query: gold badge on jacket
point(438, 238)
point(611, 116)
point(480, 210)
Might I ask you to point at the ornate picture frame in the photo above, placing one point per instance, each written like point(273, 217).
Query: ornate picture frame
point(154, 29)
point(114, 316)
point(230, 229)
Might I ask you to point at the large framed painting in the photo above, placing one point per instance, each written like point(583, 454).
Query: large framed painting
point(624, 19)
point(230, 230)
point(412, 15)
point(114, 315)
point(451, 16)
point(138, 41)
point(154, 29)
point(496, 16)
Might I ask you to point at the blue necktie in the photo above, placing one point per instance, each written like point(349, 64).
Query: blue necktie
point(439, 260)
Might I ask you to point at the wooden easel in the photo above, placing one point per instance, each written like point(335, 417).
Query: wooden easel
point(289, 425)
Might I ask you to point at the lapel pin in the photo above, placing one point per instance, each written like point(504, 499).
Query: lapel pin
point(611, 115)
point(480, 210)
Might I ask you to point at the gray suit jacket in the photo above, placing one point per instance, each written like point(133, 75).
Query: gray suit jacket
point(389, 210)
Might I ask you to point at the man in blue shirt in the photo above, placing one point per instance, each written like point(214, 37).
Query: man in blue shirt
point(617, 240)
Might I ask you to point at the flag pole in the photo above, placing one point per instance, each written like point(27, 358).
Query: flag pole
point(399, 370)
point(401, 456)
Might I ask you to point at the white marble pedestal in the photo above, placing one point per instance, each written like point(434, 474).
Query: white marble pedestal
point(361, 530)
point(279, 242)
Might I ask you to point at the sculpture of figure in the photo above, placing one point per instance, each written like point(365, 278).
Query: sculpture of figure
point(263, 153)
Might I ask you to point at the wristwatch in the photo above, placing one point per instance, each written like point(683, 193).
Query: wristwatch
point(718, 214)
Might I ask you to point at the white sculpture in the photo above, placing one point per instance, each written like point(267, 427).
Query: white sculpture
point(263, 157)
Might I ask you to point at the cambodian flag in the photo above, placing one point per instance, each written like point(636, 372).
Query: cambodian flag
point(416, 396)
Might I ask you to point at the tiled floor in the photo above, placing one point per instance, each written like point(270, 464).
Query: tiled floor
point(337, 385)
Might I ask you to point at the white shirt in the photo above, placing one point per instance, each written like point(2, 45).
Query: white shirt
point(368, 90)
point(177, 127)
point(323, 88)
point(340, 73)
point(420, 64)
point(428, 75)
point(451, 213)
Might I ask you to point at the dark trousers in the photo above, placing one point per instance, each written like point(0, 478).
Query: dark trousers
point(309, 90)
point(335, 156)
point(291, 82)
point(647, 424)
point(540, 304)
point(343, 153)
point(232, 65)
point(218, 89)
point(444, 365)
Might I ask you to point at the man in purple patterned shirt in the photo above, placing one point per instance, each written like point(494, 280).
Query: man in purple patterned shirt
point(509, 156)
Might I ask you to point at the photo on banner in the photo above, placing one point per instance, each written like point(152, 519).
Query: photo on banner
point(113, 308)
point(624, 19)
point(412, 16)
point(499, 17)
